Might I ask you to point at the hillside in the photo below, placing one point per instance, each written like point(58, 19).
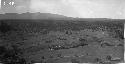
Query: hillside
point(26, 41)
point(49, 16)
point(33, 16)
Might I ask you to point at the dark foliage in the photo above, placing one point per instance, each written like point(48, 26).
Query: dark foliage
point(74, 61)
point(109, 57)
point(2, 50)
point(4, 27)
point(12, 56)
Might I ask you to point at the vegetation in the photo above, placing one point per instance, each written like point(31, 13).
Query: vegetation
point(43, 40)
point(11, 56)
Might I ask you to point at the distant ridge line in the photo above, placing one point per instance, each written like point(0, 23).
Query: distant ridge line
point(45, 16)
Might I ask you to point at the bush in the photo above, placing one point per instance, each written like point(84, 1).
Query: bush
point(12, 56)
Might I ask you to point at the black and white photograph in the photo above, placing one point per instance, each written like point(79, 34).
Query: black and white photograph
point(62, 31)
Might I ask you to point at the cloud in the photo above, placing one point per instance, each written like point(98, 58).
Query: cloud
point(80, 8)
point(0, 4)
point(41, 6)
point(74, 8)
point(56, 7)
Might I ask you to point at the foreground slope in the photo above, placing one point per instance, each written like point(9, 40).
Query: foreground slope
point(53, 41)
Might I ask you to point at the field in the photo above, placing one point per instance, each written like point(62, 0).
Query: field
point(61, 41)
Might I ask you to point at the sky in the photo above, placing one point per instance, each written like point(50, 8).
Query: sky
point(0, 4)
point(114, 9)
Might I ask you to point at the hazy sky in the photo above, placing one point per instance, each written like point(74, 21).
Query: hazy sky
point(75, 8)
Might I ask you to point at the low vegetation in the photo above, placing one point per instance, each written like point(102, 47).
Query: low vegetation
point(30, 41)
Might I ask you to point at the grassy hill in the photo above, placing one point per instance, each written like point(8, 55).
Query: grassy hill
point(77, 41)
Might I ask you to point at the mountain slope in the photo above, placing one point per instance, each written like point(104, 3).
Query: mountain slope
point(33, 16)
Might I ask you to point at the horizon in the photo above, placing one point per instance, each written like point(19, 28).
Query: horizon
point(112, 9)
point(37, 15)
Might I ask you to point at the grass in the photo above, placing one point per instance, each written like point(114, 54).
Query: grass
point(39, 36)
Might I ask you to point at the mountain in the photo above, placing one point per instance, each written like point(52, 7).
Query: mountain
point(33, 16)
point(49, 16)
